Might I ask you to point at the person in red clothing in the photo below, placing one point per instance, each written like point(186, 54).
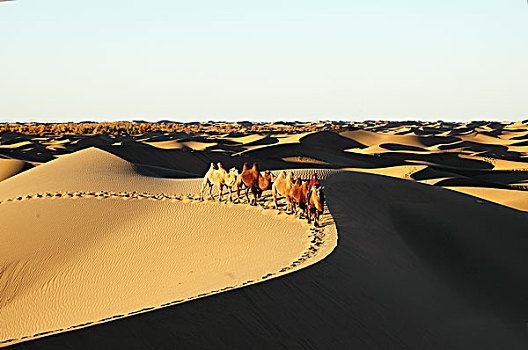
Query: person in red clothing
point(314, 182)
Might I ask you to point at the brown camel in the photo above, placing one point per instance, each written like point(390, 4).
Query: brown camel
point(298, 194)
point(220, 178)
point(249, 177)
point(282, 186)
point(264, 182)
point(316, 205)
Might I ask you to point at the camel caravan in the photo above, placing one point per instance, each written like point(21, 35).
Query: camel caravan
point(306, 198)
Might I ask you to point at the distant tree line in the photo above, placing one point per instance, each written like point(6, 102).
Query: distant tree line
point(138, 128)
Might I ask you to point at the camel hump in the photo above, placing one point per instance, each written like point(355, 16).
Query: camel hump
point(220, 166)
point(245, 166)
point(255, 166)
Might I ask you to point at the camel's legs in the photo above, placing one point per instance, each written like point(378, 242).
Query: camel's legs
point(211, 191)
point(204, 185)
point(202, 191)
point(220, 188)
point(247, 195)
point(292, 206)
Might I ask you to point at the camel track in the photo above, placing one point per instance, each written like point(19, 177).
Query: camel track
point(317, 240)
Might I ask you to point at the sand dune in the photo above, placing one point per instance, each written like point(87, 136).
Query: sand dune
point(89, 170)
point(510, 198)
point(85, 255)
point(171, 144)
point(10, 167)
point(430, 216)
point(16, 145)
point(403, 276)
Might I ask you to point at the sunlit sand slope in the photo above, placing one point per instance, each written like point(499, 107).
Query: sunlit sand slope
point(90, 170)
point(73, 255)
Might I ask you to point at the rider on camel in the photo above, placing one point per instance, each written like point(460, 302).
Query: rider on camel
point(314, 182)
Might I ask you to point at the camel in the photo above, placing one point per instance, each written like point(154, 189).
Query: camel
point(264, 182)
point(230, 181)
point(250, 179)
point(282, 186)
point(220, 178)
point(298, 194)
point(316, 205)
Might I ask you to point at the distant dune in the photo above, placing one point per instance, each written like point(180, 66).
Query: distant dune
point(10, 167)
point(105, 243)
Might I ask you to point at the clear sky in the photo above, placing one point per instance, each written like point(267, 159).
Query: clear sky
point(69, 60)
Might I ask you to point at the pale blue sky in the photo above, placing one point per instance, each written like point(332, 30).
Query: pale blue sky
point(67, 60)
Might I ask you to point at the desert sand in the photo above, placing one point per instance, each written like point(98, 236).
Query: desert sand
point(105, 243)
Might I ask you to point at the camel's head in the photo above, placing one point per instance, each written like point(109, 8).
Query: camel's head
point(233, 171)
point(266, 175)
